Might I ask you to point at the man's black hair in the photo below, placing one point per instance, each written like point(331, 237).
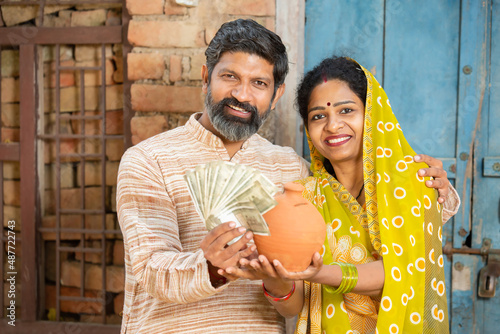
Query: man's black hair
point(250, 37)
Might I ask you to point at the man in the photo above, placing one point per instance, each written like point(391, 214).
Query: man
point(172, 284)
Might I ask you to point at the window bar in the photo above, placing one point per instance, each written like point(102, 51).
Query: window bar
point(82, 181)
point(58, 189)
point(103, 177)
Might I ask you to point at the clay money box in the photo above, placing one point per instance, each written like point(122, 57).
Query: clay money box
point(297, 230)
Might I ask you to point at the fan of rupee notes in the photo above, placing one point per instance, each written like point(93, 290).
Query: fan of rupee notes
point(224, 191)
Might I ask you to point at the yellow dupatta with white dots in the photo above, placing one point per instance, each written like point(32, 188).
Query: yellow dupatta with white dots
point(402, 224)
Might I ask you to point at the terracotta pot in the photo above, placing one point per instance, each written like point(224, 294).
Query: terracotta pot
point(297, 230)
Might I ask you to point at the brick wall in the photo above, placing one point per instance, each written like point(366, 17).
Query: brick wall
point(169, 38)
point(76, 191)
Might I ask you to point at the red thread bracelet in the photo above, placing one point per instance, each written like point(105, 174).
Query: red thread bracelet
point(279, 299)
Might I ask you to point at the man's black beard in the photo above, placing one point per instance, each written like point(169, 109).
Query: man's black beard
point(231, 127)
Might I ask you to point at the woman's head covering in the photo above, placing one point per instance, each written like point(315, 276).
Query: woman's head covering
point(401, 222)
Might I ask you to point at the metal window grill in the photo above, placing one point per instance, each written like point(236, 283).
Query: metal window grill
point(90, 150)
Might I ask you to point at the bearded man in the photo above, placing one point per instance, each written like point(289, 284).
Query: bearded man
point(172, 284)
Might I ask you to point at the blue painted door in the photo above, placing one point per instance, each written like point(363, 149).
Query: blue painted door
point(439, 62)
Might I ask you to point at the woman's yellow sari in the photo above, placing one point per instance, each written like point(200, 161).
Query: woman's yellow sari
point(402, 224)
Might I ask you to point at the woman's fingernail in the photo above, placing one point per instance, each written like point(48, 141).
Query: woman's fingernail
point(241, 229)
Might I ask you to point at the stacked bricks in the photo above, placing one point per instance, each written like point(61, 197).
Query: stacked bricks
point(96, 191)
point(169, 38)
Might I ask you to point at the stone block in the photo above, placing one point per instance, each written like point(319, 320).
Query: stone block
point(65, 53)
point(156, 98)
point(175, 68)
point(145, 66)
point(10, 63)
point(163, 34)
point(11, 170)
point(65, 178)
point(13, 15)
point(114, 149)
point(10, 115)
point(145, 127)
point(93, 173)
point(94, 78)
point(71, 276)
point(91, 52)
point(10, 90)
point(140, 7)
point(50, 258)
point(113, 198)
point(12, 192)
point(89, 18)
point(96, 257)
point(66, 78)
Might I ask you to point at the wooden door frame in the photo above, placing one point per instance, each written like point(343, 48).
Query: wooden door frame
point(27, 38)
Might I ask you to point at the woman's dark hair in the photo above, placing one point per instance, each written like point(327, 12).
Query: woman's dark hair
point(340, 68)
point(250, 37)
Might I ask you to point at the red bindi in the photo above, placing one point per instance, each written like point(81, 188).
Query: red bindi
point(328, 104)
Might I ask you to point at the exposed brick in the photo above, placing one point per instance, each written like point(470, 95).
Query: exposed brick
point(10, 90)
point(12, 213)
point(245, 7)
point(145, 127)
point(94, 78)
point(10, 63)
point(11, 192)
point(114, 97)
point(163, 34)
point(66, 78)
point(70, 276)
point(93, 173)
point(94, 222)
point(11, 170)
point(197, 62)
point(118, 73)
point(50, 9)
point(10, 115)
point(91, 52)
point(89, 18)
point(158, 98)
point(95, 257)
point(13, 15)
point(113, 18)
point(172, 8)
point(67, 146)
point(175, 68)
point(62, 20)
point(141, 7)
point(145, 66)
point(118, 303)
point(73, 306)
point(118, 253)
point(10, 135)
point(66, 176)
point(72, 199)
point(70, 99)
point(65, 53)
point(114, 149)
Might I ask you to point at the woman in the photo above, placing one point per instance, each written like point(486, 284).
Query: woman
point(375, 205)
